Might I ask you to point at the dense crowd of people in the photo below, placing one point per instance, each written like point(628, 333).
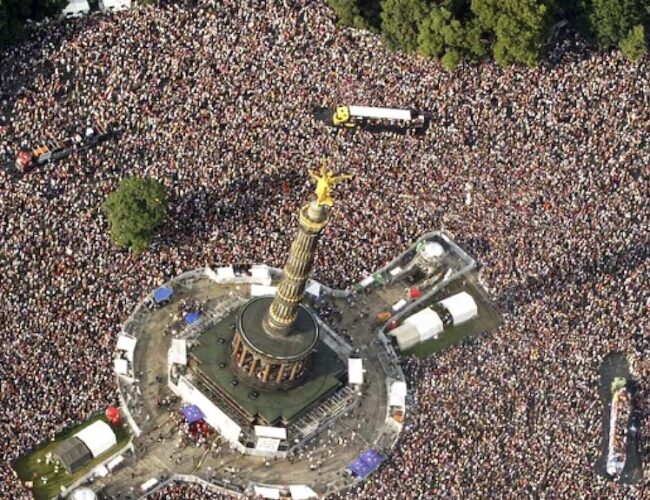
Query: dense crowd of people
point(541, 174)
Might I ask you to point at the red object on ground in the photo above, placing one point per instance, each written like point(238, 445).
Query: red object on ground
point(113, 415)
point(415, 292)
point(24, 158)
point(391, 325)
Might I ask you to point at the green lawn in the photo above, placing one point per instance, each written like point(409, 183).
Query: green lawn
point(488, 319)
point(28, 467)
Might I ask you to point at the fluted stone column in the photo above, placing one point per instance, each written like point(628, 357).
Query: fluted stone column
point(282, 314)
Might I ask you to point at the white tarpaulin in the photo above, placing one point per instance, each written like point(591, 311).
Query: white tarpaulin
point(126, 343)
point(121, 366)
point(260, 290)
point(461, 306)
point(266, 492)
point(98, 437)
point(114, 5)
point(355, 371)
point(427, 323)
point(213, 415)
point(313, 287)
point(100, 471)
point(272, 432)
point(406, 335)
point(397, 396)
point(177, 352)
point(301, 492)
point(267, 444)
point(115, 462)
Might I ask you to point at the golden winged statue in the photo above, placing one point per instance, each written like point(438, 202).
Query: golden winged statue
point(324, 181)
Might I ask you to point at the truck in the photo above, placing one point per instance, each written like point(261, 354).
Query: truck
point(360, 116)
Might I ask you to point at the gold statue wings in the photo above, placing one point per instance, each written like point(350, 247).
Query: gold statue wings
point(324, 181)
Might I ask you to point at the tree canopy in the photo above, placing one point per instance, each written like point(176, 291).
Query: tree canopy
point(14, 14)
point(134, 210)
point(511, 31)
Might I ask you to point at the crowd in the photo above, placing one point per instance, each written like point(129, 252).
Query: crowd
point(216, 102)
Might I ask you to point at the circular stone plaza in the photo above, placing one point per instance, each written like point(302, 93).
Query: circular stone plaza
point(292, 389)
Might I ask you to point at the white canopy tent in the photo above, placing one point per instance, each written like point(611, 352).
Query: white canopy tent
point(355, 371)
point(301, 492)
point(98, 437)
point(114, 5)
point(267, 444)
point(76, 8)
point(177, 352)
point(313, 288)
point(427, 323)
point(461, 306)
point(406, 335)
point(261, 273)
point(121, 366)
point(225, 273)
point(127, 344)
point(397, 396)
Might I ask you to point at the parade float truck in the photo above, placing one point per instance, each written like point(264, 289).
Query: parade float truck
point(355, 116)
point(620, 413)
point(54, 149)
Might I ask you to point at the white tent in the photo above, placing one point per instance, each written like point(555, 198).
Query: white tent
point(301, 492)
point(267, 444)
point(121, 366)
point(76, 8)
point(114, 5)
point(461, 306)
point(397, 396)
point(127, 344)
point(427, 323)
point(266, 492)
point(177, 352)
point(406, 335)
point(261, 273)
point(148, 484)
point(98, 437)
point(83, 493)
point(355, 371)
point(398, 305)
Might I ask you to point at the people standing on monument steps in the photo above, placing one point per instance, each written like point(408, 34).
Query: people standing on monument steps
point(216, 102)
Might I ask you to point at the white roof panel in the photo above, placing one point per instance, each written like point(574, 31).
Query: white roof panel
point(121, 366)
point(98, 437)
point(126, 343)
point(260, 290)
point(461, 306)
point(407, 337)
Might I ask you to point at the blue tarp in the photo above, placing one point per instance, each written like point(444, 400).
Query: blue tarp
point(162, 294)
point(366, 463)
point(192, 413)
point(192, 317)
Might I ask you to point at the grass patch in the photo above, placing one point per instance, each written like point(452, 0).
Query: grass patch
point(488, 319)
point(28, 467)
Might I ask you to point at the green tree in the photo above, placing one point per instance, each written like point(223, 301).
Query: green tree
point(348, 13)
point(134, 210)
point(400, 22)
point(14, 14)
point(518, 27)
point(431, 40)
point(451, 59)
point(610, 21)
point(634, 45)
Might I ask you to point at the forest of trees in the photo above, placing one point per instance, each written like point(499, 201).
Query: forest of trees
point(510, 31)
